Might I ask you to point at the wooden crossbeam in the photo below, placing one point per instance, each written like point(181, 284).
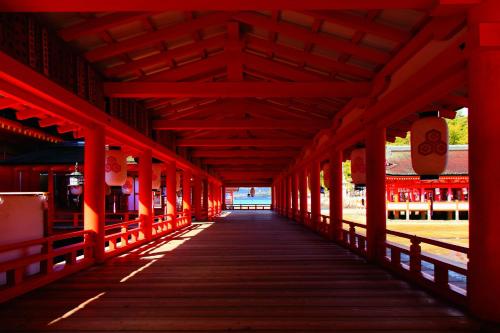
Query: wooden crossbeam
point(163, 5)
point(303, 57)
point(247, 161)
point(241, 142)
point(244, 153)
point(100, 24)
point(236, 89)
point(150, 38)
point(166, 57)
point(237, 124)
point(305, 35)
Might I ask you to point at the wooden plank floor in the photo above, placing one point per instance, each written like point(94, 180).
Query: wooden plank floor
point(250, 271)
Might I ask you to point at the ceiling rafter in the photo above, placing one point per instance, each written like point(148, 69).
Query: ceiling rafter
point(157, 36)
point(296, 32)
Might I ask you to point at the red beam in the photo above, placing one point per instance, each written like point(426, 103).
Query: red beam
point(246, 161)
point(336, 44)
point(244, 153)
point(189, 70)
point(150, 38)
point(237, 124)
point(360, 24)
point(236, 89)
point(304, 57)
point(100, 24)
point(6, 103)
point(241, 142)
point(166, 57)
point(163, 5)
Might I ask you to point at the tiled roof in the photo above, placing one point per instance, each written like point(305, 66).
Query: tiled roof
point(399, 161)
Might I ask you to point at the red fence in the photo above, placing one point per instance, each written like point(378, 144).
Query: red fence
point(34, 263)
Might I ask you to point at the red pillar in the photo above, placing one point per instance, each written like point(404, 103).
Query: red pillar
point(315, 194)
point(146, 193)
point(295, 196)
point(223, 197)
point(375, 194)
point(336, 193)
point(186, 194)
point(287, 196)
point(51, 201)
point(303, 195)
point(205, 197)
point(171, 193)
point(484, 161)
point(210, 200)
point(94, 194)
point(197, 198)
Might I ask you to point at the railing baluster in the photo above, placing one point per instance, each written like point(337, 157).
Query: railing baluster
point(415, 253)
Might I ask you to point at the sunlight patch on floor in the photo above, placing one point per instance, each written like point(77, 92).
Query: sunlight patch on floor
point(76, 309)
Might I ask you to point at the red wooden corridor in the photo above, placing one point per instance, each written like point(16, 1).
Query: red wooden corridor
point(123, 121)
point(249, 271)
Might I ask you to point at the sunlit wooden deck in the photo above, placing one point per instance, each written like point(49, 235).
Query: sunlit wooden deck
point(250, 271)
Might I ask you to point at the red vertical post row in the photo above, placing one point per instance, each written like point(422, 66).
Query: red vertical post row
point(315, 194)
point(146, 193)
point(172, 193)
point(205, 197)
point(223, 197)
point(303, 195)
point(295, 197)
point(287, 196)
point(336, 193)
point(484, 161)
point(375, 194)
point(94, 194)
point(186, 195)
point(197, 198)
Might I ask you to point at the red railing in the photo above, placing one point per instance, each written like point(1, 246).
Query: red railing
point(40, 261)
point(75, 219)
point(123, 236)
point(248, 207)
point(442, 276)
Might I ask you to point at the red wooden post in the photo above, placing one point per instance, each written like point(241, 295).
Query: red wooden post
point(484, 162)
point(197, 198)
point(295, 197)
point(51, 207)
point(210, 201)
point(223, 197)
point(288, 196)
point(315, 194)
point(171, 193)
point(186, 194)
point(303, 195)
point(94, 195)
point(205, 197)
point(336, 195)
point(146, 193)
point(375, 193)
point(273, 197)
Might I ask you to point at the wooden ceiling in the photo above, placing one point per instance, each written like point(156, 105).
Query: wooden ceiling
point(243, 90)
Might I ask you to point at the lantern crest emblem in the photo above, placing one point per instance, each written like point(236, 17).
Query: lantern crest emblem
point(433, 144)
point(112, 165)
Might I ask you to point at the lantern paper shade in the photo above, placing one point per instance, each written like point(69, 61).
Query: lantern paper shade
point(429, 146)
point(128, 187)
point(358, 166)
point(116, 168)
point(178, 182)
point(76, 190)
point(326, 175)
point(156, 177)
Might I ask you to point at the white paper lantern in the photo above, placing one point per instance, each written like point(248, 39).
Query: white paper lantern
point(128, 187)
point(76, 190)
point(116, 168)
point(358, 166)
point(429, 146)
point(156, 177)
